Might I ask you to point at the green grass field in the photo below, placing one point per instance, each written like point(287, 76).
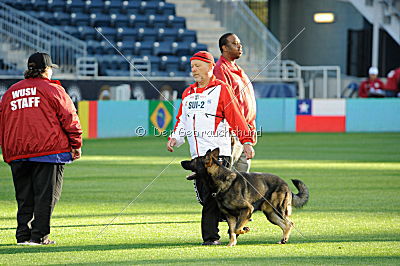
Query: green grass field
point(353, 216)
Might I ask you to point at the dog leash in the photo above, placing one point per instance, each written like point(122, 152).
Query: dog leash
point(143, 190)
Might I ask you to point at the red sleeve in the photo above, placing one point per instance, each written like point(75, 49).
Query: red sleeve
point(233, 115)
point(68, 117)
point(1, 125)
point(362, 91)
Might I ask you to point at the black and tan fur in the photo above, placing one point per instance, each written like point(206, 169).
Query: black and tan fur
point(240, 194)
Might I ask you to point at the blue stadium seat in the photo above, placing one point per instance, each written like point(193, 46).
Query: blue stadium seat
point(162, 48)
point(61, 18)
point(181, 48)
point(118, 20)
point(99, 20)
point(112, 7)
point(195, 47)
point(147, 7)
point(104, 63)
point(94, 6)
point(75, 6)
point(143, 48)
point(107, 32)
point(165, 8)
point(137, 21)
point(87, 33)
point(56, 5)
point(166, 34)
point(126, 48)
point(184, 64)
point(130, 7)
point(126, 34)
point(79, 19)
point(157, 21)
point(39, 5)
point(154, 61)
point(147, 34)
point(115, 65)
point(175, 22)
point(95, 47)
point(169, 65)
point(185, 35)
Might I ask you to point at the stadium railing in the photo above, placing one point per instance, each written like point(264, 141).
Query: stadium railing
point(308, 78)
point(237, 17)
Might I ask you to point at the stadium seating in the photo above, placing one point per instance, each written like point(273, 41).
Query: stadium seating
point(147, 29)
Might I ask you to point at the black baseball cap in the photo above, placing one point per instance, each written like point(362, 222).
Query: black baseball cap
point(40, 61)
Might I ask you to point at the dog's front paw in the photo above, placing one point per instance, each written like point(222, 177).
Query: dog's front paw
point(242, 231)
point(231, 244)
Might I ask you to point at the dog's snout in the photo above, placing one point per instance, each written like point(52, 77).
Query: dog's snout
point(186, 165)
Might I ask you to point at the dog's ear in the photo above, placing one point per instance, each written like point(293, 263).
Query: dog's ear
point(215, 153)
point(187, 165)
point(208, 159)
point(211, 157)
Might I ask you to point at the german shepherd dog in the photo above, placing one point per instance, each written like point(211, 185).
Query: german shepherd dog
point(240, 194)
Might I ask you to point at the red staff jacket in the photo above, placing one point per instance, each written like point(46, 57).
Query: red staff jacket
point(37, 118)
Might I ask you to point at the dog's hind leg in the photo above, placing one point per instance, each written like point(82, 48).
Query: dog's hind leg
point(243, 219)
point(232, 236)
point(280, 220)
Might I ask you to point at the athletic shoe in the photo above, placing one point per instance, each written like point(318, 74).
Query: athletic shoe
point(24, 243)
point(42, 243)
point(211, 243)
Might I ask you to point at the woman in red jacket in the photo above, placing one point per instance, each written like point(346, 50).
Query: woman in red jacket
point(39, 132)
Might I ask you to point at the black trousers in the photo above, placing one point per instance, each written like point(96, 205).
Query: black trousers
point(210, 214)
point(37, 189)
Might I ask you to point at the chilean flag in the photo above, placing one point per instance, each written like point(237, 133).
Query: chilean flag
point(321, 115)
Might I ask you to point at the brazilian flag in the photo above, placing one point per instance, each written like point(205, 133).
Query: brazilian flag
point(160, 117)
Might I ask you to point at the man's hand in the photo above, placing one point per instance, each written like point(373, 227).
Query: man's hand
point(249, 151)
point(76, 154)
point(171, 143)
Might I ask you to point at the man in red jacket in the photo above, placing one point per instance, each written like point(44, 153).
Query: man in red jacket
point(228, 71)
point(39, 132)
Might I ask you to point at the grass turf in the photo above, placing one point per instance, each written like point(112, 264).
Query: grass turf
point(352, 217)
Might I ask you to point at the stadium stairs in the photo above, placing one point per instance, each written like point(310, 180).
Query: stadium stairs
point(201, 18)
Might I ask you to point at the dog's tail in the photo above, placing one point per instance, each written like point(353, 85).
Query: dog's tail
point(300, 199)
